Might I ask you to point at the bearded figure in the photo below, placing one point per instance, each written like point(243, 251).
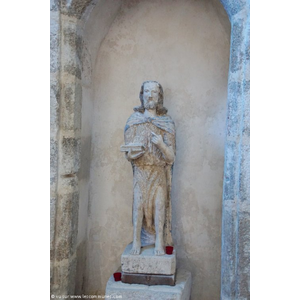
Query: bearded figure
point(150, 147)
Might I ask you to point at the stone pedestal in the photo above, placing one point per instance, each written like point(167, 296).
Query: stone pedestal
point(148, 279)
point(147, 262)
point(180, 291)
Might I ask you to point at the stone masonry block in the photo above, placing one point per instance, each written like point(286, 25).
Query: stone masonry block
point(73, 48)
point(244, 176)
point(66, 225)
point(53, 160)
point(125, 291)
point(148, 279)
point(70, 156)
point(75, 7)
point(54, 42)
point(234, 108)
point(235, 213)
point(52, 225)
point(68, 183)
point(54, 5)
point(71, 105)
point(54, 106)
point(229, 240)
point(233, 7)
point(73, 68)
point(147, 262)
point(62, 249)
point(60, 279)
point(81, 255)
point(237, 45)
point(230, 170)
point(246, 116)
point(243, 266)
point(63, 281)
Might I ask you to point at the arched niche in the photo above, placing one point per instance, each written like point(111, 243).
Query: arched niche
point(84, 24)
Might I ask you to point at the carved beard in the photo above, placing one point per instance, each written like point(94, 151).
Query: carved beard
point(150, 104)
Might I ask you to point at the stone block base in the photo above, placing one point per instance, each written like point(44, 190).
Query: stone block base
point(147, 262)
point(148, 279)
point(125, 291)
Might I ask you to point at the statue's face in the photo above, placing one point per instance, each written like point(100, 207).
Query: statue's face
point(151, 95)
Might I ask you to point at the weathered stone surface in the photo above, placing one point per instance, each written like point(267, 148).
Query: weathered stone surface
point(181, 291)
point(148, 279)
point(71, 106)
point(86, 66)
point(66, 93)
point(236, 195)
point(233, 7)
point(66, 225)
point(70, 155)
point(244, 175)
point(234, 108)
point(53, 161)
point(69, 35)
point(73, 47)
point(80, 268)
point(63, 279)
point(147, 262)
point(246, 116)
point(73, 68)
point(75, 7)
point(54, 5)
point(236, 39)
point(150, 137)
point(243, 266)
point(54, 107)
point(229, 258)
point(229, 183)
point(54, 42)
point(52, 225)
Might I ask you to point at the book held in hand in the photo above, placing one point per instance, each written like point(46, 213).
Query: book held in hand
point(132, 147)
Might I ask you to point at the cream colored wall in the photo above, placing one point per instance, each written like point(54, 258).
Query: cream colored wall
point(94, 27)
point(184, 46)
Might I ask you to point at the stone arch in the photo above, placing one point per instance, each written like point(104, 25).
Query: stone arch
point(68, 59)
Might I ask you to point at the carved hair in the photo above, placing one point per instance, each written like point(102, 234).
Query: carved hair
point(160, 109)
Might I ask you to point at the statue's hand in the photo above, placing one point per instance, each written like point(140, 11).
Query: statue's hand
point(157, 140)
point(131, 155)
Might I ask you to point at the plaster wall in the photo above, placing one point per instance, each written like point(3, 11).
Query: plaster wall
point(184, 46)
point(92, 28)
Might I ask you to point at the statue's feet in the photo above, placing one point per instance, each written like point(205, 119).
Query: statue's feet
point(136, 249)
point(159, 249)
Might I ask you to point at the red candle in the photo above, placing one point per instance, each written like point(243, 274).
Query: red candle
point(117, 276)
point(169, 250)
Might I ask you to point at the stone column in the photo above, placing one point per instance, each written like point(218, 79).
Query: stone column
point(66, 98)
point(55, 37)
point(235, 262)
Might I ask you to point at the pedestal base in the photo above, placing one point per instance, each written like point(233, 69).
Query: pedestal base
point(125, 291)
point(148, 279)
point(147, 262)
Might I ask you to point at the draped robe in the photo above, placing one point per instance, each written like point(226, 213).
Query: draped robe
point(151, 171)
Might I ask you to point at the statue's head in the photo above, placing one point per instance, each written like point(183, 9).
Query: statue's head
point(151, 96)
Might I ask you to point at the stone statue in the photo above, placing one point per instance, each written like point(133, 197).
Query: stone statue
point(150, 147)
